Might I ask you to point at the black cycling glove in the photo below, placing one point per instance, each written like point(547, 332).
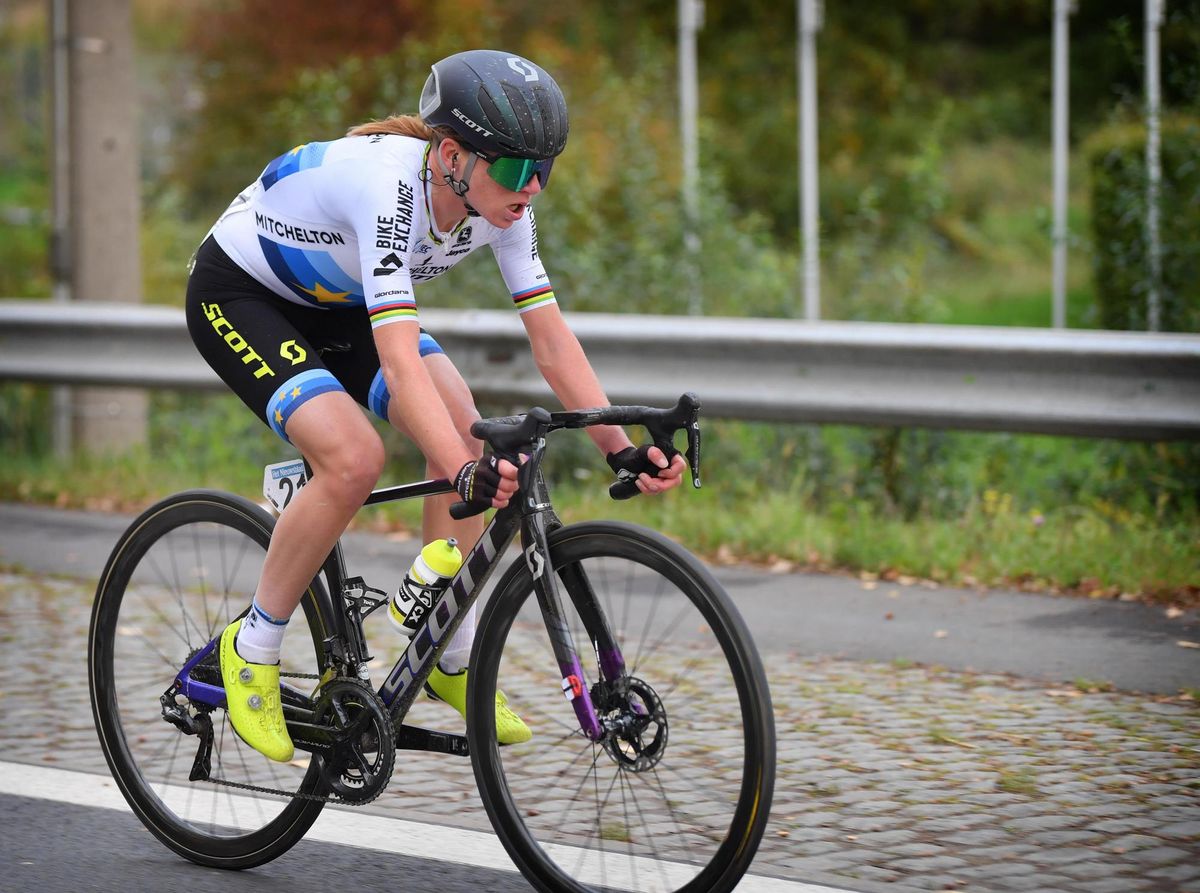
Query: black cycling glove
point(477, 482)
point(628, 464)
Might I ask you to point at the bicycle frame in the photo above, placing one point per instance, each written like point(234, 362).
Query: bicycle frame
point(532, 514)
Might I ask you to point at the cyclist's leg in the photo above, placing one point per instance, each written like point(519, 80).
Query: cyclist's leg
point(448, 680)
point(256, 342)
point(266, 350)
point(346, 456)
point(436, 522)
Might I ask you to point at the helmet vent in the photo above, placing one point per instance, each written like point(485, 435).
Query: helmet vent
point(430, 96)
point(550, 122)
point(495, 117)
point(524, 115)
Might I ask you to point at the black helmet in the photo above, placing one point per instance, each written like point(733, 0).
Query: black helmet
point(500, 104)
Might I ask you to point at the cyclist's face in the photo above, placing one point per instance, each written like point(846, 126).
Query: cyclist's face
point(496, 204)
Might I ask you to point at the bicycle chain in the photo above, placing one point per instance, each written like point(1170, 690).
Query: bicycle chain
point(293, 795)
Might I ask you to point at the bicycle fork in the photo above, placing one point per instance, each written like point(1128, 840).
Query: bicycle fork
point(537, 519)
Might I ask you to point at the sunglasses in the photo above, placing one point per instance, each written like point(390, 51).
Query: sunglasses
point(514, 174)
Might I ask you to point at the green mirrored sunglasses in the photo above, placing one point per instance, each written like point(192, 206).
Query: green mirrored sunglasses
point(515, 173)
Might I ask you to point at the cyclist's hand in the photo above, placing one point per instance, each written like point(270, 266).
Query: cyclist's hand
point(486, 483)
point(648, 468)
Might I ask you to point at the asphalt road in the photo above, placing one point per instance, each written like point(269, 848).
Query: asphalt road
point(111, 851)
point(29, 861)
point(1134, 647)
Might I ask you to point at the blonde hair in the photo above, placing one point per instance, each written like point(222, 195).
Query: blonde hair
point(402, 125)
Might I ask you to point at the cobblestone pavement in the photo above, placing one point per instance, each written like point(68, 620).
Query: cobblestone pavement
point(895, 776)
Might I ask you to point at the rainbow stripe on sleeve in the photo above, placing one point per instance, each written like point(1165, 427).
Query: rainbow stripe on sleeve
point(393, 311)
point(533, 297)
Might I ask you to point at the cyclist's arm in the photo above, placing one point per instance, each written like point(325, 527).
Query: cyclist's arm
point(556, 350)
point(563, 364)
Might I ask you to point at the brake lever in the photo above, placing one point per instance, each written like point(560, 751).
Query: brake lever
point(692, 453)
point(687, 417)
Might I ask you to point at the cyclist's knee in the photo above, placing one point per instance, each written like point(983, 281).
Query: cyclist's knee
point(352, 468)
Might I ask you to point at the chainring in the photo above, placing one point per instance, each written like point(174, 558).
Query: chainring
point(364, 752)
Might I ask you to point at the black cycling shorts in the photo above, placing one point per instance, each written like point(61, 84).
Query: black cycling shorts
point(277, 355)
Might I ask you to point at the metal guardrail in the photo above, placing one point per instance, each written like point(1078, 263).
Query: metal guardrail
point(1089, 383)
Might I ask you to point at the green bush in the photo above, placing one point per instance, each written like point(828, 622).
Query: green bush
point(1117, 158)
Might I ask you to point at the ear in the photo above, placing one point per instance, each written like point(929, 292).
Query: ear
point(449, 149)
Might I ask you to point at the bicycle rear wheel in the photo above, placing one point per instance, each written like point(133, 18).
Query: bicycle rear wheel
point(180, 573)
point(678, 804)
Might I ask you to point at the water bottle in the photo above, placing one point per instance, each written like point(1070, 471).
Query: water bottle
point(430, 573)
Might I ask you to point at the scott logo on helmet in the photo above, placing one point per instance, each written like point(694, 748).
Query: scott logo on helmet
point(523, 68)
point(480, 130)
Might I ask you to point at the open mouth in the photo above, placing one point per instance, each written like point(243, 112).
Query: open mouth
point(516, 208)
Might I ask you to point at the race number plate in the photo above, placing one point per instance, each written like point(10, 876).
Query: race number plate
point(282, 481)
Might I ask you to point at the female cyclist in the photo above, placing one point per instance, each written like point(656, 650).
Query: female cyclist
point(302, 299)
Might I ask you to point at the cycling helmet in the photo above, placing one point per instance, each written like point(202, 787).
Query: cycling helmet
point(499, 103)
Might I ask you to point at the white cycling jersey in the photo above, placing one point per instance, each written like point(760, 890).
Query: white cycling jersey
point(347, 223)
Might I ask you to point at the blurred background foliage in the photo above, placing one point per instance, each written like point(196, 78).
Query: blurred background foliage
point(935, 188)
point(933, 135)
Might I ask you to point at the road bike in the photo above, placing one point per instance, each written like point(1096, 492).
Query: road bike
point(652, 761)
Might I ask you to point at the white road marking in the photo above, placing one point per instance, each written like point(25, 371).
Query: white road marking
point(347, 827)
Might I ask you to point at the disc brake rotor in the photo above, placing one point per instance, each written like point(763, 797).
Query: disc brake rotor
point(638, 724)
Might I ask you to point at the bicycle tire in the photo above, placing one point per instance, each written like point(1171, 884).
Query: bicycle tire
point(703, 844)
point(154, 607)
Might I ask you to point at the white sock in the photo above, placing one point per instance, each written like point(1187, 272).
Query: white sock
point(458, 652)
point(260, 636)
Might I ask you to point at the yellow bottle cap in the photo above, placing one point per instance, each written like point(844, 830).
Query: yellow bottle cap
point(443, 557)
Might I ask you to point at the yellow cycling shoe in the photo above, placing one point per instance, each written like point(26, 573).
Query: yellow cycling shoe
point(452, 688)
point(252, 699)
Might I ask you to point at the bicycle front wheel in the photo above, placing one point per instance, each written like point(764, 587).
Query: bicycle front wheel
point(181, 572)
point(677, 794)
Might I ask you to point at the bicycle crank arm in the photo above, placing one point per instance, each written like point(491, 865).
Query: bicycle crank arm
point(317, 740)
point(417, 738)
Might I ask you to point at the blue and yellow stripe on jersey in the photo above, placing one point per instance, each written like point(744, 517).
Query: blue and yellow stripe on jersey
point(379, 397)
point(312, 276)
point(533, 297)
point(299, 159)
point(294, 393)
